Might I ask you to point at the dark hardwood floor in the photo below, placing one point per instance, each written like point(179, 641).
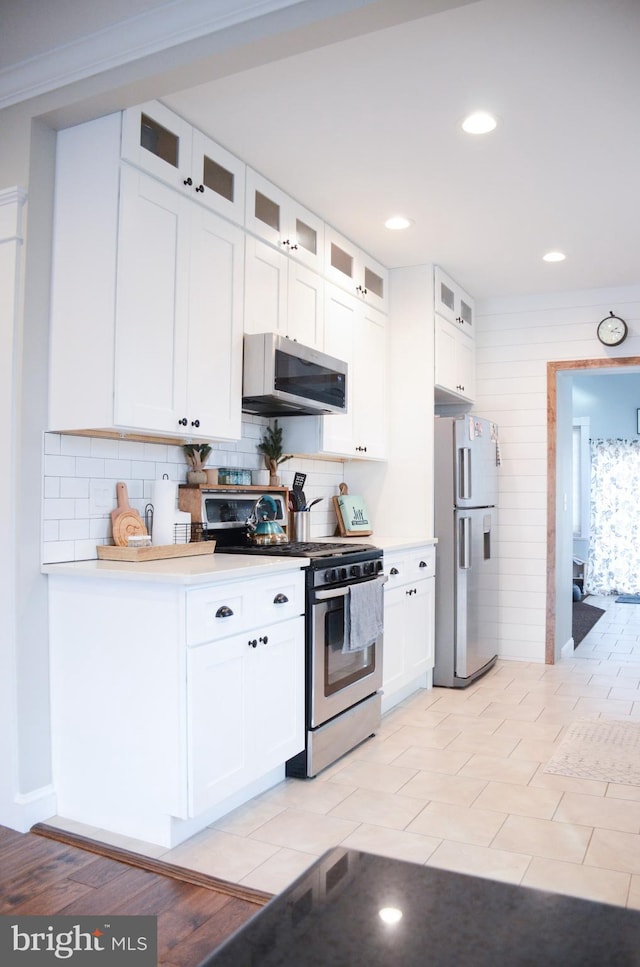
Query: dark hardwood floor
point(48, 872)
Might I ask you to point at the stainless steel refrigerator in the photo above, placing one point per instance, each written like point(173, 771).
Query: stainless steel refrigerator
point(467, 455)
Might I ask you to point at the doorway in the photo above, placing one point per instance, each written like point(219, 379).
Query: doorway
point(558, 617)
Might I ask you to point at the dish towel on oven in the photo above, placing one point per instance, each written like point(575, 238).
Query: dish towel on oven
point(363, 615)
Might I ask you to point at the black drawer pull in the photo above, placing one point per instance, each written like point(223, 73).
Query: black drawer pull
point(265, 640)
point(253, 643)
point(422, 564)
point(280, 598)
point(394, 570)
point(224, 612)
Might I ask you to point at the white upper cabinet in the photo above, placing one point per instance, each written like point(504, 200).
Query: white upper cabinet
point(147, 300)
point(454, 334)
point(167, 147)
point(178, 314)
point(357, 334)
point(281, 221)
point(282, 295)
point(455, 363)
point(453, 303)
point(352, 269)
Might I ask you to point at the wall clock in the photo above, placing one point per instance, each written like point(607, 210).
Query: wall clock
point(612, 330)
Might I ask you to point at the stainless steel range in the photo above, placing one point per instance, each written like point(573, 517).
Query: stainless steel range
point(344, 633)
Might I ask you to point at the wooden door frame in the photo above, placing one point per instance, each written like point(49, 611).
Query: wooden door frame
point(553, 368)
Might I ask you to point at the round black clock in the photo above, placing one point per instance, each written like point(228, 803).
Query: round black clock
point(612, 330)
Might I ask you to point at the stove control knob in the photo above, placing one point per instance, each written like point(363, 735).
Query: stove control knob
point(343, 574)
point(379, 566)
point(355, 571)
point(331, 576)
point(369, 567)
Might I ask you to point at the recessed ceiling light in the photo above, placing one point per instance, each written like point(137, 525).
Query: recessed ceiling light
point(554, 257)
point(398, 222)
point(390, 915)
point(480, 122)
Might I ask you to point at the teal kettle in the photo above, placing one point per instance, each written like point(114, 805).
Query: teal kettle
point(262, 525)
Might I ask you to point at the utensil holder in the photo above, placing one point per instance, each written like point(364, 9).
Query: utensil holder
point(301, 525)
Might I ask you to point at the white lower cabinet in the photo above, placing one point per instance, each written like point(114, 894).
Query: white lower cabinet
point(245, 701)
point(409, 597)
point(167, 709)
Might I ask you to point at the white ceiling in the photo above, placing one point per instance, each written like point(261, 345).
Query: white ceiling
point(368, 127)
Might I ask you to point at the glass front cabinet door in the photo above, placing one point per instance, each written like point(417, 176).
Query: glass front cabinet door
point(163, 144)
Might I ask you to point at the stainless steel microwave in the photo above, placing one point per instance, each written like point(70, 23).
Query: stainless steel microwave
point(283, 378)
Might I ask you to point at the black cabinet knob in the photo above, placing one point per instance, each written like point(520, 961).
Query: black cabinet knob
point(253, 643)
point(265, 640)
point(195, 423)
point(200, 188)
point(183, 421)
point(188, 181)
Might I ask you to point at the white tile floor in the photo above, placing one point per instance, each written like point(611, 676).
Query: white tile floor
point(455, 779)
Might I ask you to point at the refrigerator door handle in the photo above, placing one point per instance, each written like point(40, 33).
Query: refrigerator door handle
point(464, 543)
point(464, 480)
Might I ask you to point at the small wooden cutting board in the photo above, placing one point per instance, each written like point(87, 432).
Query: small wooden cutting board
point(125, 520)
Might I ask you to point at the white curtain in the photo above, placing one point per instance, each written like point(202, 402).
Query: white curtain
point(614, 544)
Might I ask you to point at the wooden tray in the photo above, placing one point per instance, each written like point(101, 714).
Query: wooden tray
point(159, 552)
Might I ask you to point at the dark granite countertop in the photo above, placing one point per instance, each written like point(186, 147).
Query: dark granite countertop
point(330, 916)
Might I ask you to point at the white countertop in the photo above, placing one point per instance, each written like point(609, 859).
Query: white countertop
point(210, 568)
point(400, 543)
point(205, 569)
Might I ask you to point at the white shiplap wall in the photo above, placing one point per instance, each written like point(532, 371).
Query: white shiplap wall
point(515, 340)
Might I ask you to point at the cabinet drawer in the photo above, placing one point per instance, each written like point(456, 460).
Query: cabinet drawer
point(402, 567)
point(220, 610)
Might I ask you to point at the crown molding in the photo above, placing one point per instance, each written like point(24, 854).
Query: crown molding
point(128, 40)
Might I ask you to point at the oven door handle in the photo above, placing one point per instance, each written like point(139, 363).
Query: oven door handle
point(327, 595)
point(343, 592)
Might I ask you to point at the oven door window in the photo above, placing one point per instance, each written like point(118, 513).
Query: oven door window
point(342, 669)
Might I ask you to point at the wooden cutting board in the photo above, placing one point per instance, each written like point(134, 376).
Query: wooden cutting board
point(125, 520)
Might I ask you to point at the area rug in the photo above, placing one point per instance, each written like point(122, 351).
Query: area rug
point(628, 599)
point(583, 620)
point(604, 749)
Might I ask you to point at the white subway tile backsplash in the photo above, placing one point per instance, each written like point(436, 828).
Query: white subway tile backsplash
point(58, 551)
point(51, 487)
point(84, 550)
point(74, 530)
point(57, 509)
point(100, 528)
point(131, 450)
point(74, 486)
point(52, 443)
point(82, 508)
point(120, 469)
point(50, 530)
point(59, 466)
point(81, 471)
point(89, 467)
point(75, 446)
point(103, 447)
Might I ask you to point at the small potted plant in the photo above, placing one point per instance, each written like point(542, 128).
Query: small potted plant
point(271, 447)
point(197, 455)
